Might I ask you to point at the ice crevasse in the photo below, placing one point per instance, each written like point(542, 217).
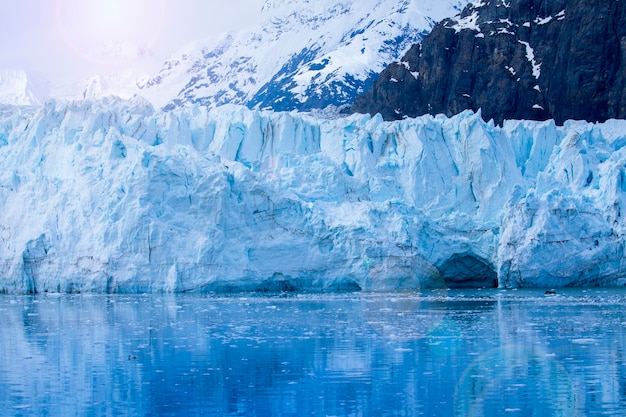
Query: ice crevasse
point(113, 196)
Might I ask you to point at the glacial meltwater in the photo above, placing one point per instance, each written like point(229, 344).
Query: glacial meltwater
point(455, 353)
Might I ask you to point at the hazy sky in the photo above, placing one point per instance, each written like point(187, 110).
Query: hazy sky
point(64, 40)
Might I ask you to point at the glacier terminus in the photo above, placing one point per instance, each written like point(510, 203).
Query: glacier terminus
point(114, 196)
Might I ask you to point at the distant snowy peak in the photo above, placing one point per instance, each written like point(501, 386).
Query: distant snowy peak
point(19, 88)
point(123, 84)
point(302, 55)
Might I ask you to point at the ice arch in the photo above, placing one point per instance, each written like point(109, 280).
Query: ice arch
point(467, 271)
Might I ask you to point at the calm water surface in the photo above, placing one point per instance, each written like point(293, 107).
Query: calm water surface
point(461, 353)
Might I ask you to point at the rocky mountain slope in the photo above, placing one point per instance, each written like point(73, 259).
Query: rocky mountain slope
point(522, 59)
point(302, 55)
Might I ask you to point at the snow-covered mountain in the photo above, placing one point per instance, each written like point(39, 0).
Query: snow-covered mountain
point(303, 54)
point(22, 89)
point(113, 196)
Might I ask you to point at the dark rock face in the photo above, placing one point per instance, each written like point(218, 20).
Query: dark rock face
point(514, 59)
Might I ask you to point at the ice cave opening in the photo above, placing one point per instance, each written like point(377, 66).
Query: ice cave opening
point(467, 271)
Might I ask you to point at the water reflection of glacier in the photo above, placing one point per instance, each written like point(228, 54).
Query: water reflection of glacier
point(482, 352)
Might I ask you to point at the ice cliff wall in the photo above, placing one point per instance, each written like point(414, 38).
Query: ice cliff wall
point(113, 196)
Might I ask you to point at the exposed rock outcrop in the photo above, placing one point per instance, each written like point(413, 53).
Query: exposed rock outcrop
point(514, 59)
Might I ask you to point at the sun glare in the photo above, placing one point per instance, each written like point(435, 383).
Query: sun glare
point(111, 12)
point(110, 31)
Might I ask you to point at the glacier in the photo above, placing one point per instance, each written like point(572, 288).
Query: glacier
point(114, 196)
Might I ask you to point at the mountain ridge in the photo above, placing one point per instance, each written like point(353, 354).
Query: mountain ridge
point(303, 55)
point(529, 59)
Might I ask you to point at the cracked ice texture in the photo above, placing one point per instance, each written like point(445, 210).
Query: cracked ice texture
point(113, 196)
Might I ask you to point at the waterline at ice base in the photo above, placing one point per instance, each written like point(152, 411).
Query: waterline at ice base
point(114, 196)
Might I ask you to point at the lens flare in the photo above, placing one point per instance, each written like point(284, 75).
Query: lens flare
point(524, 380)
point(415, 311)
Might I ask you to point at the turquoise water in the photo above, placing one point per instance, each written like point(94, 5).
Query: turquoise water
point(492, 352)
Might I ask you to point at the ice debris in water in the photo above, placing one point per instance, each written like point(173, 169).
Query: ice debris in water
point(113, 196)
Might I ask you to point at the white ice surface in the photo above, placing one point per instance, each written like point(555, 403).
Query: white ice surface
point(112, 195)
